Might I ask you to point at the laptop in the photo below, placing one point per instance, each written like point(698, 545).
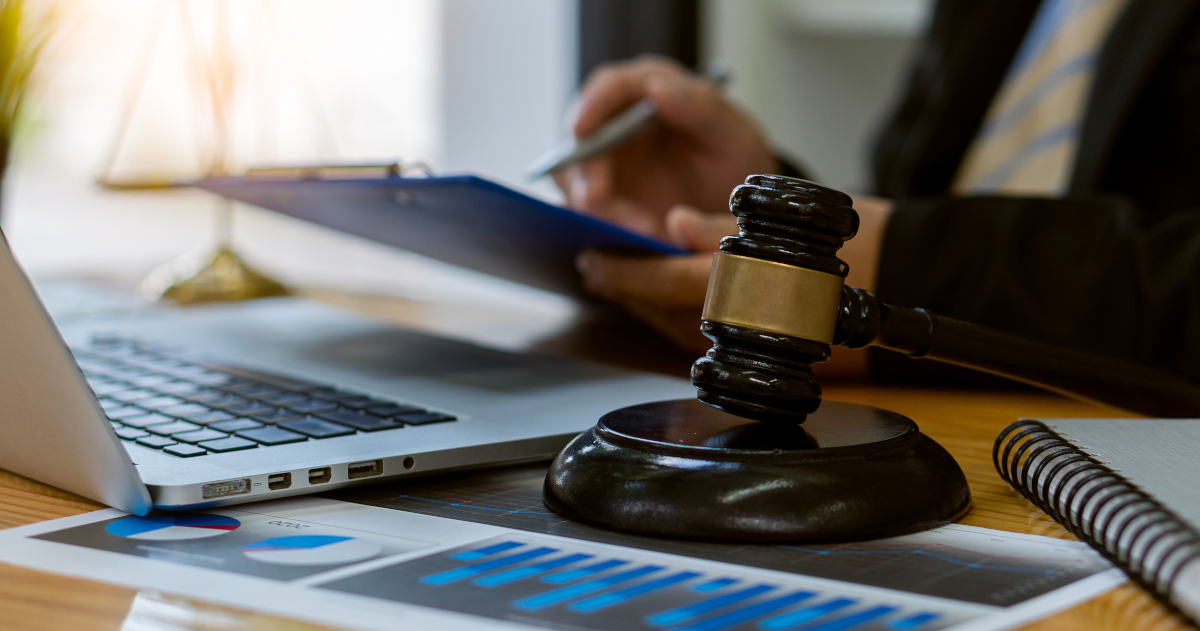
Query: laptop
point(179, 409)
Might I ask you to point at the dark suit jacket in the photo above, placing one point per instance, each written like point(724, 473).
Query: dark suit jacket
point(1112, 268)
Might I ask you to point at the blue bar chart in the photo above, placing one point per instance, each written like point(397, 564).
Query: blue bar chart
point(365, 567)
point(952, 564)
point(560, 583)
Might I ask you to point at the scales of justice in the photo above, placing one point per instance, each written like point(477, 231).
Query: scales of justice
point(217, 77)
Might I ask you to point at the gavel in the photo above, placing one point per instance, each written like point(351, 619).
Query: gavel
point(764, 460)
point(776, 302)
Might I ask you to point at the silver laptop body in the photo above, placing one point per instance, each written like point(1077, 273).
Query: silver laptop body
point(509, 407)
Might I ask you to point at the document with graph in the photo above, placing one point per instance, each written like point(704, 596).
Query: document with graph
point(480, 551)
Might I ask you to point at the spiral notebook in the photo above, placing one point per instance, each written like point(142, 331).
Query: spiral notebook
point(1128, 487)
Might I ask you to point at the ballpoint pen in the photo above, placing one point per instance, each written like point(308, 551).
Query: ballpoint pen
point(617, 130)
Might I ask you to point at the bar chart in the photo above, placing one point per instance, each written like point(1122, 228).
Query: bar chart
point(959, 563)
point(368, 567)
point(555, 583)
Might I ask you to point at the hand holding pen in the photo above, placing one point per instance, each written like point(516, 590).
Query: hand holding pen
point(612, 132)
point(670, 180)
point(694, 149)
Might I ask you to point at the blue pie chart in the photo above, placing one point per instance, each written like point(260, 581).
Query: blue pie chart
point(172, 527)
point(311, 550)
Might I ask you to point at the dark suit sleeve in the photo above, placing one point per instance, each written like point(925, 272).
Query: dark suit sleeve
point(1088, 273)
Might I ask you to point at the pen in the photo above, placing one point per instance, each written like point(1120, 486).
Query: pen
point(617, 130)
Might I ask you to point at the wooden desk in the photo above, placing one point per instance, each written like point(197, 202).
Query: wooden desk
point(965, 422)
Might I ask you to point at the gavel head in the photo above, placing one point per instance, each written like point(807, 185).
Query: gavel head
point(774, 299)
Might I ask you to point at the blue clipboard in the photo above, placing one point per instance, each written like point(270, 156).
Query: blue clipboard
point(463, 219)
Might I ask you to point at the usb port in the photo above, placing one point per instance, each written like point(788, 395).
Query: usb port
point(279, 481)
point(319, 476)
point(367, 469)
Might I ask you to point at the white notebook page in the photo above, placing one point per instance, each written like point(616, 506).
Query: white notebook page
point(1162, 456)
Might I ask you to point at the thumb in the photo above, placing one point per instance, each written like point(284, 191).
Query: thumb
point(698, 231)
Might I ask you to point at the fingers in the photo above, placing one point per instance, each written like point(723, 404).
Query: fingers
point(614, 87)
point(666, 280)
point(679, 324)
point(863, 251)
point(685, 101)
point(562, 179)
point(660, 280)
point(691, 104)
point(667, 292)
point(699, 148)
point(698, 231)
point(587, 186)
point(594, 184)
point(589, 189)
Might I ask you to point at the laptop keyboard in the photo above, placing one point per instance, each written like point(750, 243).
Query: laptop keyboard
point(187, 408)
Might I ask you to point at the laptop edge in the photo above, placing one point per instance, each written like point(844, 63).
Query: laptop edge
point(56, 432)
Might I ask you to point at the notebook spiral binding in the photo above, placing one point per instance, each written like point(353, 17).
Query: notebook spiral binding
point(1096, 504)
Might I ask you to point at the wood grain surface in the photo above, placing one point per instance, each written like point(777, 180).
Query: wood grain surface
point(965, 422)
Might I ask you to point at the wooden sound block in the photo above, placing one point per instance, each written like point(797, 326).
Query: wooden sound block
point(685, 470)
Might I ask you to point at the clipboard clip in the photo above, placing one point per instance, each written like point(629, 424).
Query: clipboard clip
point(380, 170)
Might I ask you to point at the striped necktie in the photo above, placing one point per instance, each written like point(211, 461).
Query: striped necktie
point(1029, 138)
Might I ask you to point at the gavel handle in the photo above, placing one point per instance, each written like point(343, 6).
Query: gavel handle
point(865, 321)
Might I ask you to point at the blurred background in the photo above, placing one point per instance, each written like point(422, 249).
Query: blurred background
point(154, 90)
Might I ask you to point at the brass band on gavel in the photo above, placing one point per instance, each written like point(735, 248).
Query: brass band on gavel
point(773, 297)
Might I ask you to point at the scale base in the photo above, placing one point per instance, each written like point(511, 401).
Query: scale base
point(224, 277)
point(685, 470)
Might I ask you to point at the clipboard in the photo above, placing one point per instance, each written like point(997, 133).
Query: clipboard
point(464, 220)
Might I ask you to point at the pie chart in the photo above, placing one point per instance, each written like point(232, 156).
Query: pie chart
point(172, 527)
point(311, 550)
